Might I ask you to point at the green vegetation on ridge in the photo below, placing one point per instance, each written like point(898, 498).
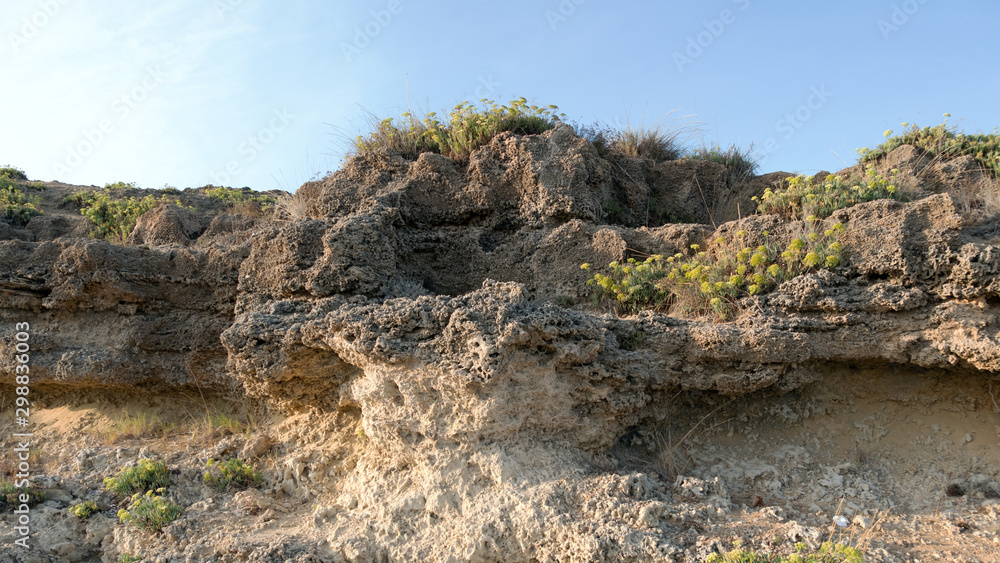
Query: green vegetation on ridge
point(943, 141)
point(13, 173)
point(804, 196)
point(114, 218)
point(113, 214)
point(737, 160)
point(16, 207)
point(466, 129)
point(233, 196)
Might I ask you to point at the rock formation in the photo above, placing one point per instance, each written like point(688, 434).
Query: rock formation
point(427, 327)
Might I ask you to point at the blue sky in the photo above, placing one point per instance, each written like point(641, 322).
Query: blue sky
point(269, 94)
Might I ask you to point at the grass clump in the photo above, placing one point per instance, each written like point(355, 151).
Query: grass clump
point(147, 475)
point(737, 161)
point(232, 196)
point(942, 141)
point(292, 208)
point(804, 195)
point(135, 426)
point(150, 511)
point(11, 495)
point(829, 552)
point(84, 509)
point(16, 207)
point(129, 558)
point(13, 173)
point(468, 127)
point(224, 424)
point(231, 474)
point(656, 142)
point(653, 142)
point(712, 283)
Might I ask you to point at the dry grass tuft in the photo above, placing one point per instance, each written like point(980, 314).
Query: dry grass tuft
point(980, 202)
point(292, 208)
point(657, 142)
point(139, 425)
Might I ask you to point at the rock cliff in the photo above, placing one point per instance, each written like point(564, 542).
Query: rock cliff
point(447, 388)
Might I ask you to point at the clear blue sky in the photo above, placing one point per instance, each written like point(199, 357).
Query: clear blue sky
point(268, 94)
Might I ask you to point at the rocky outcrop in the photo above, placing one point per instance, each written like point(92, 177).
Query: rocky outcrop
point(166, 224)
point(441, 309)
point(110, 316)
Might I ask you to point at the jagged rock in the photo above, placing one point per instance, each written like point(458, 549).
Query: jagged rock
point(166, 224)
point(426, 333)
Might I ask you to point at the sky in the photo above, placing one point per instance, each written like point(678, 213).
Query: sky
point(271, 94)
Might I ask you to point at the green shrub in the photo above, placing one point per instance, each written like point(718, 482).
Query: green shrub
point(11, 495)
point(232, 473)
point(115, 218)
point(712, 283)
point(78, 199)
point(150, 511)
point(942, 141)
point(84, 509)
point(13, 173)
point(233, 196)
point(144, 476)
point(129, 558)
point(15, 206)
point(829, 552)
point(737, 161)
point(467, 129)
point(121, 186)
point(804, 196)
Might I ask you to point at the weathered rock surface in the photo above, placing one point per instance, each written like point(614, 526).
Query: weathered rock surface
point(439, 312)
point(120, 317)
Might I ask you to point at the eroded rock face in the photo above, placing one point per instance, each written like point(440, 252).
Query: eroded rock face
point(458, 374)
point(111, 316)
point(443, 309)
